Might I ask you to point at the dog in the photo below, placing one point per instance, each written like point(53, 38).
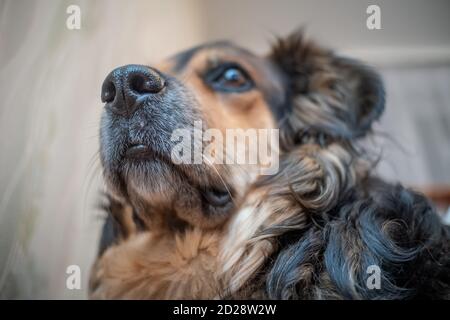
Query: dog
point(323, 226)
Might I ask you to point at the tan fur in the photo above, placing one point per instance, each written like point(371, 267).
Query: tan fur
point(249, 240)
point(206, 264)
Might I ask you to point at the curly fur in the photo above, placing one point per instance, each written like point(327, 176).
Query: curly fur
point(311, 230)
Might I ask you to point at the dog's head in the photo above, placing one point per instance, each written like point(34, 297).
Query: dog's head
point(192, 221)
point(156, 118)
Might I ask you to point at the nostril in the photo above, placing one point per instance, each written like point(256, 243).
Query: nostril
point(108, 92)
point(142, 84)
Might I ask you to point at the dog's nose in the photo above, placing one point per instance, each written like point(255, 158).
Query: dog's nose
point(125, 87)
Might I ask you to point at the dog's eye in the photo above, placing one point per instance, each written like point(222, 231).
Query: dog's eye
point(229, 78)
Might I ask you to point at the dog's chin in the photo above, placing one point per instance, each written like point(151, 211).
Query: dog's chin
point(154, 185)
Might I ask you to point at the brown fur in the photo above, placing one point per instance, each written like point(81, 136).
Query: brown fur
point(322, 104)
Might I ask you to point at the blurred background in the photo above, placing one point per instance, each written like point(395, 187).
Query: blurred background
point(50, 78)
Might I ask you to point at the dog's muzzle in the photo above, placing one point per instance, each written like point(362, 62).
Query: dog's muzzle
point(143, 108)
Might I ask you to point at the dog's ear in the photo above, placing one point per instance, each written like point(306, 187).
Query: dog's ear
point(325, 93)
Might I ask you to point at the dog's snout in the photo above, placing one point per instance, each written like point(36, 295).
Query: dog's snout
point(124, 88)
